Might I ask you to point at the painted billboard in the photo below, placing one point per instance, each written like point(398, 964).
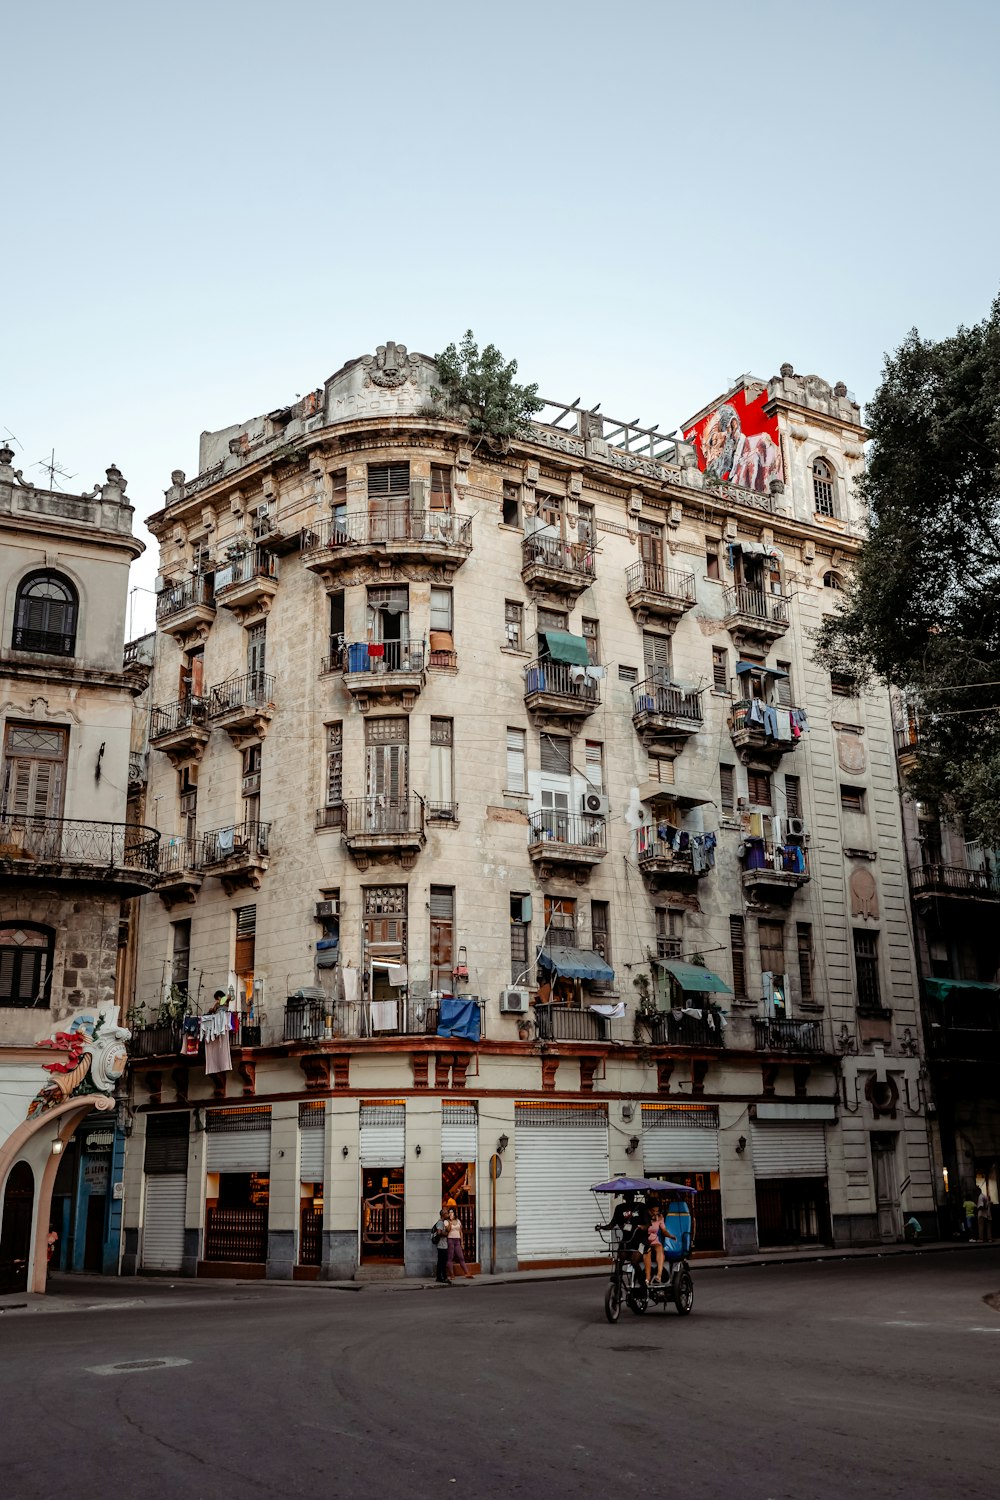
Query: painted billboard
point(738, 442)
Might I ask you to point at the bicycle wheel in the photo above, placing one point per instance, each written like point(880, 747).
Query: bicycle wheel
point(638, 1300)
point(684, 1295)
point(613, 1301)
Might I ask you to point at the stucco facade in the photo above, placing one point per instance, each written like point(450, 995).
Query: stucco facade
point(391, 668)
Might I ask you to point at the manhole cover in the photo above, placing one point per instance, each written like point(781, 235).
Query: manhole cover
point(126, 1366)
point(141, 1364)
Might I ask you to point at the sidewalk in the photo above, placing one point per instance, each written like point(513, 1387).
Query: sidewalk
point(107, 1293)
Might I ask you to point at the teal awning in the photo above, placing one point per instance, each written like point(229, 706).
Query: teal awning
point(562, 646)
point(743, 667)
point(693, 979)
point(576, 963)
point(950, 989)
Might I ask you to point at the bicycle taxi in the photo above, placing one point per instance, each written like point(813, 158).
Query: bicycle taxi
point(627, 1243)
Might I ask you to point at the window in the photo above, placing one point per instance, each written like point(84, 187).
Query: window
point(628, 674)
point(25, 964)
point(387, 765)
point(192, 673)
point(442, 914)
point(187, 796)
point(442, 611)
point(594, 752)
point(201, 555)
point(244, 953)
point(336, 621)
point(737, 948)
point(591, 634)
point(256, 648)
point(832, 581)
point(513, 620)
point(520, 936)
point(771, 940)
point(822, 487)
point(556, 752)
point(866, 969)
point(180, 955)
point(720, 669)
point(45, 614)
point(712, 569)
point(650, 545)
point(804, 947)
point(385, 917)
point(793, 797)
point(511, 505)
point(843, 685)
point(550, 512)
point(600, 930)
point(759, 788)
point(661, 769)
point(585, 524)
point(34, 771)
point(727, 788)
point(669, 933)
point(389, 619)
point(388, 481)
point(852, 798)
point(517, 775)
point(783, 685)
point(251, 783)
point(656, 656)
point(338, 482)
point(441, 802)
point(552, 619)
point(560, 922)
point(440, 487)
point(334, 764)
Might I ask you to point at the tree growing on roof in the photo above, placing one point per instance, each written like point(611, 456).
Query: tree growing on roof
point(480, 388)
point(922, 611)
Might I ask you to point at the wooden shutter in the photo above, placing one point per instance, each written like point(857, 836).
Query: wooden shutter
point(246, 930)
point(727, 788)
point(803, 943)
point(440, 487)
point(793, 797)
point(655, 653)
point(595, 764)
point(720, 669)
point(759, 788)
point(442, 911)
point(737, 944)
point(783, 685)
point(771, 939)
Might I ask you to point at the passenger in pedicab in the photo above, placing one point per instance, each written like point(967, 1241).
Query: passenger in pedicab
point(657, 1235)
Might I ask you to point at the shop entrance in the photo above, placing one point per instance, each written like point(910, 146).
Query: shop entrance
point(236, 1217)
point(793, 1211)
point(15, 1228)
point(382, 1191)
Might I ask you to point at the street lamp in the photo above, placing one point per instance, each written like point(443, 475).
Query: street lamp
point(502, 1145)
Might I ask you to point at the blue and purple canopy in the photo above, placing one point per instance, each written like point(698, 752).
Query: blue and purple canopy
point(641, 1185)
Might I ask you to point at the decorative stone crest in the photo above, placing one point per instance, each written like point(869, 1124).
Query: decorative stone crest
point(389, 367)
point(96, 1060)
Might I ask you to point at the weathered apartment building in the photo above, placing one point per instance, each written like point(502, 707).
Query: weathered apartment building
point(70, 855)
point(501, 800)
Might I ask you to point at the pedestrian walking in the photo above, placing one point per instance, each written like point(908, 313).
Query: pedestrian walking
point(456, 1254)
point(969, 1210)
point(439, 1239)
point(984, 1213)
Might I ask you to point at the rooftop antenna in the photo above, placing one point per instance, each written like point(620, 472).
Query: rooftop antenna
point(52, 469)
point(14, 438)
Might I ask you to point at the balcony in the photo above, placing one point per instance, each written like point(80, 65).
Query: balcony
point(553, 566)
point(236, 855)
point(157, 1039)
point(383, 828)
point(247, 584)
point(186, 608)
point(560, 691)
point(755, 615)
point(954, 883)
point(329, 1020)
point(180, 871)
point(779, 1034)
point(180, 729)
point(664, 715)
point(568, 1023)
point(571, 842)
point(668, 1030)
point(653, 592)
point(124, 856)
point(763, 730)
point(665, 867)
point(776, 870)
point(242, 707)
point(384, 672)
point(329, 817)
point(385, 537)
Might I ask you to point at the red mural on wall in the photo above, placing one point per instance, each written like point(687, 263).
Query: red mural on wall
point(738, 442)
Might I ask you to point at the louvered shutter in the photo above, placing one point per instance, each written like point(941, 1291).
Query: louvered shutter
point(788, 1150)
point(459, 1133)
point(516, 780)
point(655, 653)
point(737, 945)
point(595, 764)
point(556, 754)
point(238, 1140)
point(163, 1222)
point(312, 1138)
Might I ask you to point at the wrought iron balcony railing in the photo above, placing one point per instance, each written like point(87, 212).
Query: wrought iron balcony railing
point(256, 563)
point(561, 681)
point(757, 604)
point(553, 552)
point(378, 658)
point(48, 642)
point(651, 697)
point(667, 1030)
point(766, 719)
point(239, 841)
point(953, 880)
point(379, 814)
point(170, 718)
point(178, 855)
point(329, 1020)
point(670, 583)
point(182, 596)
point(252, 690)
point(782, 859)
point(79, 842)
point(780, 1034)
point(158, 1039)
point(364, 528)
point(567, 1023)
point(577, 829)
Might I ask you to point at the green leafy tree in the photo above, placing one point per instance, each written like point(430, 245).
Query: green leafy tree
point(922, 611)
point(480, 388)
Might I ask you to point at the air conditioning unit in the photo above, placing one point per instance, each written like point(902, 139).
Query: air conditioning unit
point(251, 784)
point(325, 910)
point(635, 504)
point(595, 804)
point(797, 828)
point(514, 1002)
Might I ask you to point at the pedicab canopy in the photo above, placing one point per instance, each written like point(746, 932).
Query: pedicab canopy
point(641, 1185)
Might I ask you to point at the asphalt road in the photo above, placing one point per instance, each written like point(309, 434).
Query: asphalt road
point(870, 1378)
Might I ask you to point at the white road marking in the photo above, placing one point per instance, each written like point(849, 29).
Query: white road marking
point(905, 1323)
point(133, 1366)
point(984, 1330)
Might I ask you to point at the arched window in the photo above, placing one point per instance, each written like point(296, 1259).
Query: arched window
point(832, 581)
point(822, 487)
point(25, 964)
point(45, 614)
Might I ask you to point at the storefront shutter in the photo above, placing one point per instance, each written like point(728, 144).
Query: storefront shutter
point(166, 1143)
point(788, 1150)
point(560, 1154)
point(383, 1135)
point(238, 1140)
point(312, 1138)
point(163, 1222)
point(459, 1132)
point(679, 1140)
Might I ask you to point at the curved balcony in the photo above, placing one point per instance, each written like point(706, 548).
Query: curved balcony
point(664, 715)
point(180, 729)
point(654, 592)
point(764, 730)
point(384, 672)
point(247, 584)
point(559, 690)
point(186, 608)
point(755, 615)
point(554, 566)
point(333, 546)
point(380, 826)
point(566, 841)
point(124, 856)
point(243, 706)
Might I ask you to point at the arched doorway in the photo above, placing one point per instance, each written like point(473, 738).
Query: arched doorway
point(15, 1228)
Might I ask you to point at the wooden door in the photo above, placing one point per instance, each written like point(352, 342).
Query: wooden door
point(34, 772)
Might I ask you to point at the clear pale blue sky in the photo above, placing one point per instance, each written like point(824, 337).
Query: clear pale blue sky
point(209, 207)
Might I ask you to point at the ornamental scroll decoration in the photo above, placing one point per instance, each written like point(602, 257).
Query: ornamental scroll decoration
point(389, 367)
point(96, 1061)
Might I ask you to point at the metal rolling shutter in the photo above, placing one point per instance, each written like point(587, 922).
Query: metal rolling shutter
point(312, 1139)
point(788, 1150)
point(238, 1140)
point(675, 1140)
point(559, 1155)
point(459, 1132)
point(383, 1135)
point(163, 1222)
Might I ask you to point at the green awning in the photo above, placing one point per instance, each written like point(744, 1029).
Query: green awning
point(576, 963)
point(949, 989)
point(693, 979)
point(562, 646)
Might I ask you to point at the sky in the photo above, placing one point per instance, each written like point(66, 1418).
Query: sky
point(210, 207)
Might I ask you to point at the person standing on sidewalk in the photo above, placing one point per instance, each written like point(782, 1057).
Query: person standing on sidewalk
point(984, 1213)
point(456, 1255)
point(439, 1235)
